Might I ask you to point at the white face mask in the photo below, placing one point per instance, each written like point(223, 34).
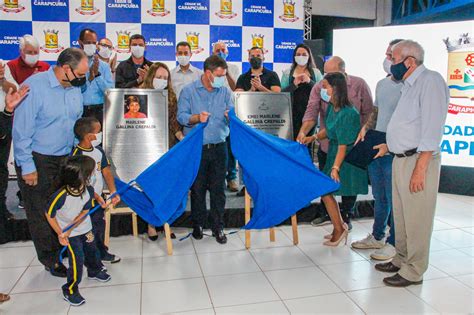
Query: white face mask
point(138, 51)
point(98, 139)
point(104, 52)
point(160, 84)
point(183, 60)
point(386, 65)
point(90, 49)
point(31, 59)
point(301, 60)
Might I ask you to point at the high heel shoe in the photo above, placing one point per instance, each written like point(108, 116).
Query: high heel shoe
point(329, 236)
point(336, 243)
point(152, 237)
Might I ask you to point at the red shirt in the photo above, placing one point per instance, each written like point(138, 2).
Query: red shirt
point(21, 71)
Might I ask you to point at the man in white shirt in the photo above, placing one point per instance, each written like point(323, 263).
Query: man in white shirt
point(185, 72)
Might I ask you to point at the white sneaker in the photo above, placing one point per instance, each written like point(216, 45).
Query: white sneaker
point(368, 243)
point(385, 253)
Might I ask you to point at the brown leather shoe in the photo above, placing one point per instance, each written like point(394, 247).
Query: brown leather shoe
point(399, 282)
point(4, 298)
point(387, 267)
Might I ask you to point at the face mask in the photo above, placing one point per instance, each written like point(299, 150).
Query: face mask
point(223, 55)
point(325, 96)
point(218, 82)
point(138, 51)
point(386, 65)
point(160, 84)
point(98, 139)
point(183, 60)
point(399, 70)
point(76, 82)
point(90, 49)
point(31, 59)
point(301, 60)
point(256, 63)
point(104, 52)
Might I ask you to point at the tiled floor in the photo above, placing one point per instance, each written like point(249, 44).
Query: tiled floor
point(203, 277)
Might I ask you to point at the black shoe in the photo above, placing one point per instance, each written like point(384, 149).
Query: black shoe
point(399, 282)
point(387, 267)
point(58, 270)
point(346, 217)
point(220, 236)
point(173, 236)
point(198, 233)
point(153, 238)
point(74, 299)
point(241, 193)
point(110, 258)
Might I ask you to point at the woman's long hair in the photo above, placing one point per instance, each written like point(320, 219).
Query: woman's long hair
point(75, 173)
point(310, 64)
point(150, 75)
point(338, 83)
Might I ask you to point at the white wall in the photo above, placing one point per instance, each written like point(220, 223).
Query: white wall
point(379, 10)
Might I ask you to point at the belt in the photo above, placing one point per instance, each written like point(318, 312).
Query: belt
point(406, 153)
point(212, 145)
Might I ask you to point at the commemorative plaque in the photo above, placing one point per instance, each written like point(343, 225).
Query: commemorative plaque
point(269, 112)
point(135, 129)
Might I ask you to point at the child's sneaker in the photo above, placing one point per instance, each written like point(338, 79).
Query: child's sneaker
point(110, 258)
point(74, 299)
point(101, 276)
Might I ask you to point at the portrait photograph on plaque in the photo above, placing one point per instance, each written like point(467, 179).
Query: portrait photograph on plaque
point(135, 106)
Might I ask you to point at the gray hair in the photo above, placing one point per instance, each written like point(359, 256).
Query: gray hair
point(28, 40)
point(218, 43)
point(410, 48)
point(71, 57)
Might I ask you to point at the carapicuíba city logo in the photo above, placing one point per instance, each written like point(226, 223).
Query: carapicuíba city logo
point(258, 41)
point(158, 8)
point(225, 10)
point(289, 11)
point(193, 40)
point(51, 42)
point(12, 6)
point(87, 8)
point(123, 41)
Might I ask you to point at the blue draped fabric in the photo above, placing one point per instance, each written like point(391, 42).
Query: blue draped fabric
point(279, 174)
point(163, 187)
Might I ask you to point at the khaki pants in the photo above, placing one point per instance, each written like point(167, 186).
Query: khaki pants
point(413, 215)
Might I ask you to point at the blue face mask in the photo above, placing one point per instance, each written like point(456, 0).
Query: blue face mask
point(218, 82)
point(223, 55)
point(325, 96)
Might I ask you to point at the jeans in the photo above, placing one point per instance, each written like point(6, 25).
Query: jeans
point(380, 173)
point(211, 176)
point(231, 163)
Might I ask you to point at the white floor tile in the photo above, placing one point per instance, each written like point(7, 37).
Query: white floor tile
point(355, 275)
point(434, 292)
point(16, 256)
point(390, 301)
point(127, 271)
point(325, 304)
point(39, 303)
point(469, 230)
point(324, 255)
point(170, 268)
point(456, 220)
point(467, 280)
point(175, 296)
point(468, 250)
point(276, 307)
point(217, 264)
point(453, 262)
point(36, 279)
point(434, 273)
point(126, 248)
point(437, 245)
point(438, 226)
point(8, 278)
point(208, 311)
point(281, 258)
point(261, 239)
point(301, 282)
point(240, 289)
point(455, 238)
point(311, 235)
point(121, 299)
point(158, 247)
point(17, 244)
point(209, 244)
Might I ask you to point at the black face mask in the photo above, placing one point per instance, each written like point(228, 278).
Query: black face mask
point(256, 63)
point(399, 70)
point(76, 82)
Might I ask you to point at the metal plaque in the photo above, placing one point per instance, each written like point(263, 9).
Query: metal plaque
point(135, 129)
point(269, 112)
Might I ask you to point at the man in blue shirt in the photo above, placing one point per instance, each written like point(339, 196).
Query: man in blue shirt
point(208, 100)
point(99, 77)
point(42, 137)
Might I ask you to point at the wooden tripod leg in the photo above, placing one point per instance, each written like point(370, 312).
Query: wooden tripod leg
point(272, 234)
point(247, 219)
point(108, 217)
point(294, 228)
point(169, 244)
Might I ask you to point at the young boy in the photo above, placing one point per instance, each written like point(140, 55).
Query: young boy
point(88, 132)
point(69, 206)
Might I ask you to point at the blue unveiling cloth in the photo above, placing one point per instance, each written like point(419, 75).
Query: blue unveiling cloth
point(279, 174)
point(163, 187)
point(95, 90)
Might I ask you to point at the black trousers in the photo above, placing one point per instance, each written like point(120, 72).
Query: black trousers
point(98, 228)
point(348, 202)
point(5, 145)
point(96, 111)
point(81, 251)
point(36, 202)
point(211, 176)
